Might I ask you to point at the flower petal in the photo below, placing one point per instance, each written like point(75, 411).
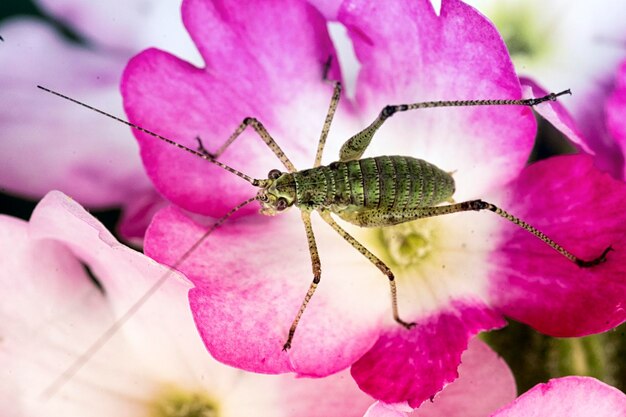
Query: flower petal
point(555, 113)
point(251, 276)
point(380, 409)
point(485, 384)
point(573, 396)
point(581, 208)
point(51, 311)
point(247, 75)
point(414, 365)
point(97, 166)
point(549, 44)
point(409, 54)
point(615, 110)
point(125, 25)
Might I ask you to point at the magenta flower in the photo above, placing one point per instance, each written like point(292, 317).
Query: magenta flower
point(457, 275)
point(51, 312)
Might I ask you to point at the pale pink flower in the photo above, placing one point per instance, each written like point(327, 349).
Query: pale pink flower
point(51, 312)
point(47, 145)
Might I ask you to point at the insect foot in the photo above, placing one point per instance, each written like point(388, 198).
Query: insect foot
point(203, 150)
point(597, 261)
point(287, 344)
point(406, 325)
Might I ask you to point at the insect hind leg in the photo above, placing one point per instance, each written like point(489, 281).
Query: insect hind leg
point(354, 147)
point(480, 205)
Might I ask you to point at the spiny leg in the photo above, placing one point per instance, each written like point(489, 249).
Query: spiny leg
point(334, 101)
point(373, 259)
point(317, 275)
point(357, 144)
point(479, 205)
point(262, 132)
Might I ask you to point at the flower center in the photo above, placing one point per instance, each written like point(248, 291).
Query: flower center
point(408, 243)
point(178, 403)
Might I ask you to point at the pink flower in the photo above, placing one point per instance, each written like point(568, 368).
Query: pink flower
point(555, 44)
point(47, 145)
point(457, 275)
point(563, 397)
point(52, 311)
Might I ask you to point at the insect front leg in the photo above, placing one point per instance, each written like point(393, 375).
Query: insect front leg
point(354, 147)
point(317, 275)
point(373, 259)
point(261, 131)
point(334, 101)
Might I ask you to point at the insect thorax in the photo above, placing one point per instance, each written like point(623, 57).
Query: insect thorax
point(391, 183)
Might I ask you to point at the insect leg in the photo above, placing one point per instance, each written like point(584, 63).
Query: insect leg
point(263, 133)
point(317, 274)
point(478, 205)
point(329, 119)
point(373, 259)
point(203, 150)
point(357, 144)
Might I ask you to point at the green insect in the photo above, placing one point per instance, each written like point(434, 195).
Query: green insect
point(368, 192)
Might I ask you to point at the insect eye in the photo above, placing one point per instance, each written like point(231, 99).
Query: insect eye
point(281, 204)
point(274, 174)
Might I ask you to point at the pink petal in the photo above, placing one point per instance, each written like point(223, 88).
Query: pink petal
point(248, 292)
point(124, 25)
point(410, 54)
point(572, 396)
point(51, 312)
point(615, 110)
point(46, 143)
point(138, 214)
point(414, 365)
point(582, 209)
point(485, 384)
point(247, 74)
point(555, 113)
point(380, 409)
point(332, 396)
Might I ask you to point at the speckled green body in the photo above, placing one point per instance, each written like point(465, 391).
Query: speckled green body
point(383, 184)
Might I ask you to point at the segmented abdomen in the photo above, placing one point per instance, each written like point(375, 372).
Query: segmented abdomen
point(382, 182)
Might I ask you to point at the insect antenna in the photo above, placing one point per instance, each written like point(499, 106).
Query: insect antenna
point(104, 338)
point(253, 181)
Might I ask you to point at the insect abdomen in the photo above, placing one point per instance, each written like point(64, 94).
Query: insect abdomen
point(383, 182)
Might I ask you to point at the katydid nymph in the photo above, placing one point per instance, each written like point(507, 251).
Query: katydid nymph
point(377, 191)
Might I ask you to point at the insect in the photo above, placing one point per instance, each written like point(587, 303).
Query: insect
point(368, 192)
